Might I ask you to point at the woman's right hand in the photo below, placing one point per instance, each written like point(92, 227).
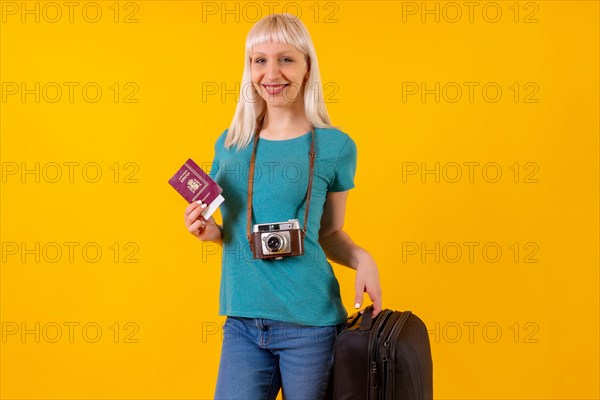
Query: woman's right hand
point(197, 225)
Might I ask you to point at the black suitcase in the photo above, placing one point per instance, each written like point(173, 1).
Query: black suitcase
point(387, 357)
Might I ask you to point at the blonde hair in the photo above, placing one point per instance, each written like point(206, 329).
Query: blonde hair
point(285, 29)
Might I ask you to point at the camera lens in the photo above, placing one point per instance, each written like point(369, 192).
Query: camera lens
point(274, 243)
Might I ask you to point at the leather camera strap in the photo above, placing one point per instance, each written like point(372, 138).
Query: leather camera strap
point(312, 156)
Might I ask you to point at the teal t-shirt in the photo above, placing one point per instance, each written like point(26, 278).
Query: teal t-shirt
point(297, 289)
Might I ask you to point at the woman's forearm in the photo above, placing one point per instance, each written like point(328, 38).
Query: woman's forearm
point(219, 239)
point(340, 248)
point(215, 235)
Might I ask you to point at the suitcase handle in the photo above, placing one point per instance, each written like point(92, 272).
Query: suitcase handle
point(367, 318)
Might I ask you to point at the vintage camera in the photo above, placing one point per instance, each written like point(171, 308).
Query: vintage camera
point(277, 240)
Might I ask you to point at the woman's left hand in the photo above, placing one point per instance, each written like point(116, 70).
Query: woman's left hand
point(367, 280)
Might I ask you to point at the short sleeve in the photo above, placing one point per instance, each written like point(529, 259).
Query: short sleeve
point(345, 168)
point(214, 167)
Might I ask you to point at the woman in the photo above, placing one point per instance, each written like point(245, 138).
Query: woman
point(282, 314)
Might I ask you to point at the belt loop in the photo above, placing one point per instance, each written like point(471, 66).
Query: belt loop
point(260, 324)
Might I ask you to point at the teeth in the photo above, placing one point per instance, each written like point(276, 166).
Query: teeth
point(274, 88)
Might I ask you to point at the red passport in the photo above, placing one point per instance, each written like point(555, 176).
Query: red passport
point(194, 184)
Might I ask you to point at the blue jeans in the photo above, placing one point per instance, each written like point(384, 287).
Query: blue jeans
point(260, 356)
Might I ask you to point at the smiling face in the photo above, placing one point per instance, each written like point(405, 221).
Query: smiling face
point(278, 73)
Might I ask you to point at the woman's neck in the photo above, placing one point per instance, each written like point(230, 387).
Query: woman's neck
point(284, 123)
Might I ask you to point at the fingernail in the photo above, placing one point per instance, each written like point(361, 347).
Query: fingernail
point(357, 305)
point(199, 201)
point(203, 205)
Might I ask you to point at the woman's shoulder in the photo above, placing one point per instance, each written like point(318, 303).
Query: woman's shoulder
point(220, 141)
point(333, 134)
point(334, 138)
point(223, 135)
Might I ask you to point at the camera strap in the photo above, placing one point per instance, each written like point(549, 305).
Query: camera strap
point(311, 155)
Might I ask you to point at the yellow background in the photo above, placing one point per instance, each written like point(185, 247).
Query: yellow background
point(165, 305)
